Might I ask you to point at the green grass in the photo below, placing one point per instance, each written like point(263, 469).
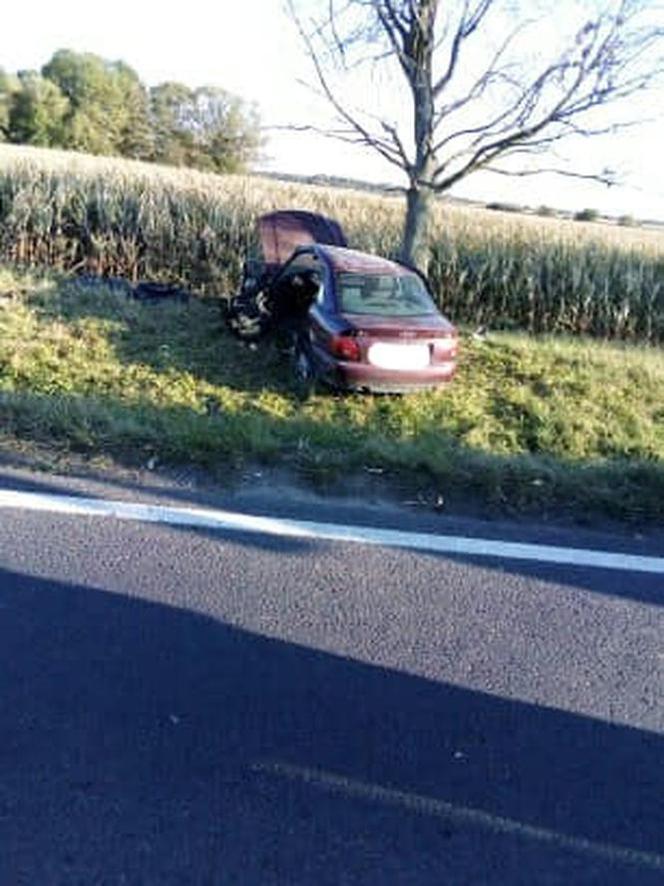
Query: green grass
point(529, 425)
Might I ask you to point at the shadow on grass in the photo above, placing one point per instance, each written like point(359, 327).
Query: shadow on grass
point(147, 744)
point(169, 335)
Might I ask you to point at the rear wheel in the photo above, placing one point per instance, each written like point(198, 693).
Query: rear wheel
point(303, 368)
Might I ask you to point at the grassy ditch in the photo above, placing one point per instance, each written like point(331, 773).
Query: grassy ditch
point(529, 426)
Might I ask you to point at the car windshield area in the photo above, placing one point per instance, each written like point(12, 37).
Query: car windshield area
point(388, 295)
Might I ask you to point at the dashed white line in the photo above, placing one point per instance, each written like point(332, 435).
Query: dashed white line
point(230, 521)
point(461, 815)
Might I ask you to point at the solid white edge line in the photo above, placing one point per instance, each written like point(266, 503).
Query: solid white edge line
point(205, 518)
point(464, 815)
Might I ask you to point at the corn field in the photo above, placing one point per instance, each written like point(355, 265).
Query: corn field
point(123, 218)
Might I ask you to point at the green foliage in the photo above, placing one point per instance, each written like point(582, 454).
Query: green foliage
point(206, 128)
point(83, 102)
point(503, 207)
point(108, 105)
point(37, 111)
point(586, 215)
point(627, 221)
point(8, 85)
point(172, 140)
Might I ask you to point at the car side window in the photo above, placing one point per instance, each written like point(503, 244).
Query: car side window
point(304, 262)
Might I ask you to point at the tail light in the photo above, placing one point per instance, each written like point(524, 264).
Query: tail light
point(345, 347)
point(446, 347)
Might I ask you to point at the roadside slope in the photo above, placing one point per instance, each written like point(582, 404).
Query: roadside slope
point(542, 426)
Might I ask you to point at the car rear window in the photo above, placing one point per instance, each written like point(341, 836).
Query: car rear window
point(388, 295)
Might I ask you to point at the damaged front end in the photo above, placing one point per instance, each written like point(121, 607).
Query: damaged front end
point(252, 312)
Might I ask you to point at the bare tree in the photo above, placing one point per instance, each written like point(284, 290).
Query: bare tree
point(474, 99)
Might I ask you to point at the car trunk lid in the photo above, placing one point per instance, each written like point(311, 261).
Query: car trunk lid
point(400, 328)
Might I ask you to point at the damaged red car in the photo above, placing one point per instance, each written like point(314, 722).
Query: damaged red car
point(354, 321)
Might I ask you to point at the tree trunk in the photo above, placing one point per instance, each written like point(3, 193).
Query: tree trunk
point(414, 247)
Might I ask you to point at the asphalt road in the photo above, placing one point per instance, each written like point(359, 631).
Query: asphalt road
point(180, 706)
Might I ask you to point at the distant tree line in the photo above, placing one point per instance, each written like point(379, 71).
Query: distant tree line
point(82, 102)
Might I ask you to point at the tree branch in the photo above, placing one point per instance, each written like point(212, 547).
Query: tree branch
point(605, 177)
point(468, 24)
point(362, 134)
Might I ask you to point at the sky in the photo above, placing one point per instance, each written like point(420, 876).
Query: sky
point(249, 47)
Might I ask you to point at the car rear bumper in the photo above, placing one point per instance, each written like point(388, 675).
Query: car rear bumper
point(363, 377)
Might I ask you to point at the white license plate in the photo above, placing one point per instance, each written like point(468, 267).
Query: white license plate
point(385, 356)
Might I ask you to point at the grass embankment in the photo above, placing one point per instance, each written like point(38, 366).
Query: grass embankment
point(510, 271)
point(529, 425)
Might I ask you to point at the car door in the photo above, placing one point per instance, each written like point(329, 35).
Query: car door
point(323, 321)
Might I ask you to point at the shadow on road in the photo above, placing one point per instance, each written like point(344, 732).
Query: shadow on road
point(144, 744)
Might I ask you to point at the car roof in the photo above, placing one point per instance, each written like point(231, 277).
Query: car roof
point(353, 261)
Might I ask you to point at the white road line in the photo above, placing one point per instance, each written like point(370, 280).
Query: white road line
point(229, 521)
point(462, 815)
